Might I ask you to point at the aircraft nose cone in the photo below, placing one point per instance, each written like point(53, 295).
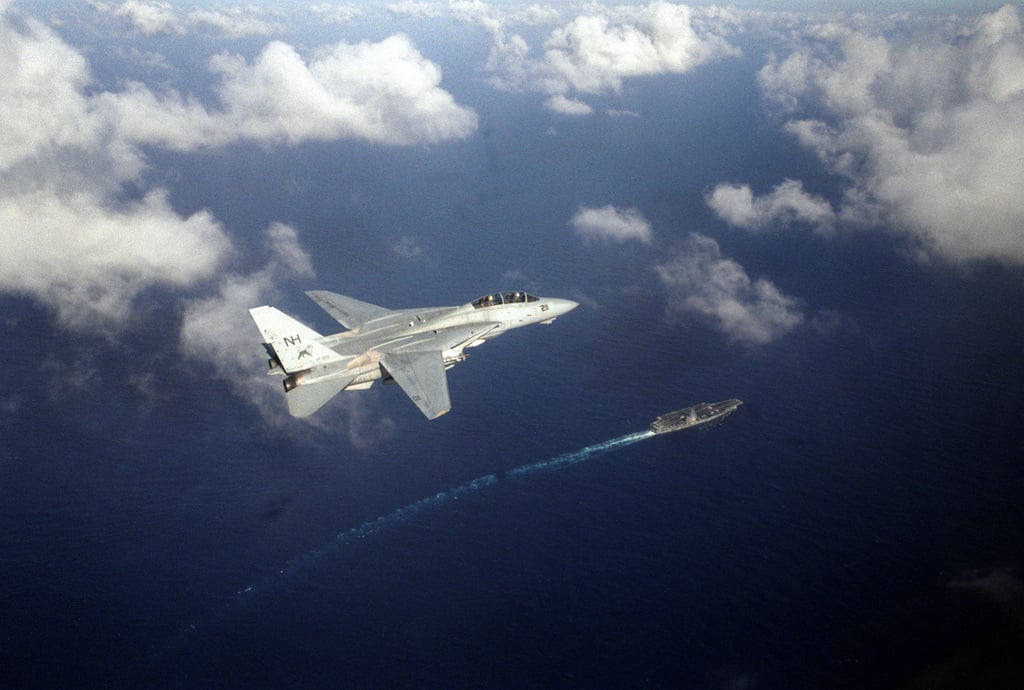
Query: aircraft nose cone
point(564, 306)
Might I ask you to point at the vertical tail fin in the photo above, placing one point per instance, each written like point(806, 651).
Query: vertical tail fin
point(296, 345)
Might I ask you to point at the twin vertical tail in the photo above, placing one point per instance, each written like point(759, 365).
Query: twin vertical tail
point(298, 349)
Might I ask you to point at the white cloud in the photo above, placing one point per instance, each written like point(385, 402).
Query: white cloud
point(567, 106)
point(72, 237)
point(495, 19)
point(80, 231)
point(785, 204)
point(536, 15)
point(151, 17)
point(701, 281)
point(288, 255)
point(594, 52)
point(507, 61)
point(610, 224)
point(382, 92)
point(336, 14)
point(233, 22)
point(90, 259)
point(217, 330)
point(415, 9)
point(926, 129)
point(42, 105)
point(152, 61)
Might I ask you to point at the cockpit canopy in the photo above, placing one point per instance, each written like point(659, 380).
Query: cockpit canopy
point(503, 298)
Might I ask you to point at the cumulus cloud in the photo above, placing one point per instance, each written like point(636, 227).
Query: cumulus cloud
point(384, 92)
point(71, 238)
point(91, 260)
point(536, 15)
point(80, 231)
point(567, 106)
point(610, 224)
point(336, 14)
point(151, 17)
point(507, 62)
point(702, 282)
point(594, 52)
point(415, 9)
point(497, 19)
point(217, 330)
point(787, 203)
point(42, 104)
point(233, 22)
point(925, 129)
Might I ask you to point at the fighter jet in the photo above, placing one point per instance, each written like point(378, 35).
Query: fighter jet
point(411, 347)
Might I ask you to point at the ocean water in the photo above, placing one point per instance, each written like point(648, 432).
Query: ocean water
point(816, 538)
point(856, 523)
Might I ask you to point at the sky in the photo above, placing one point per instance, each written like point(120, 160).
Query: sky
point(745, 177)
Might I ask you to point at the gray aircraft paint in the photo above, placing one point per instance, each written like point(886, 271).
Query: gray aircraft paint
point(412, 347)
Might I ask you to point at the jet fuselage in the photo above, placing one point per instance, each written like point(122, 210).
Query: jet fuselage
point(412, 347)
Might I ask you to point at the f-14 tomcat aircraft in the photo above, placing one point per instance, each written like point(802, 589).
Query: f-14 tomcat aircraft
point(410, 347)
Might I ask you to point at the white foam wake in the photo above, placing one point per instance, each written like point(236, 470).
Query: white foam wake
point(580, 455)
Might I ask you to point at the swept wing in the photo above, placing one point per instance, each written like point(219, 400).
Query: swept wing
point(418, 366)
point(421, 375)
point(349, 312)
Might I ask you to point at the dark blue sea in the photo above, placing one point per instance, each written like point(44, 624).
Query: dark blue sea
point(857, 523)
point(849, 526)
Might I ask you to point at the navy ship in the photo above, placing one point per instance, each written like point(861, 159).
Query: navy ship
point(693, 416)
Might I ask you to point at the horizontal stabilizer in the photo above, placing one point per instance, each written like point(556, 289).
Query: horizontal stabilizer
point(305, 400)
point(349, 312)
point(296, 345)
